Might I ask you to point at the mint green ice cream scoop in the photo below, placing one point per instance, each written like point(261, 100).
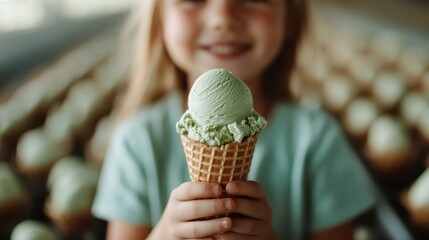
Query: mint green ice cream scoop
point(220, 110)
point(218, 97)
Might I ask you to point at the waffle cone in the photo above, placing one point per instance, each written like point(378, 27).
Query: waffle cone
point(219, 164)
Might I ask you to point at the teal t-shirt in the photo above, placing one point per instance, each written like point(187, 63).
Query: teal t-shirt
point(312, 178)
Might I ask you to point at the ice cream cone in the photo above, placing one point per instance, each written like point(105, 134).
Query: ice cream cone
point(220, 128)
point(418, 215)
point(221, 164)
point(74, 223)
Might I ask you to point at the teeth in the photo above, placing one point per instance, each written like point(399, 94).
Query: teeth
point(224, 49)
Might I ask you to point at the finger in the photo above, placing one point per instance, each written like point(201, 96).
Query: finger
point(245, 188)
point(246, 226)
point(203, 229)
point(196, 190)
point(234, 236)
point(256, 209)
point(197, 209)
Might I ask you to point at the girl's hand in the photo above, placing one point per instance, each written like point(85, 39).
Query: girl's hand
point(191, 201)
point(249, 201)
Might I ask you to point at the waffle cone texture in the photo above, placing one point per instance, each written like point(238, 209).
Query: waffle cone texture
point(219, 164)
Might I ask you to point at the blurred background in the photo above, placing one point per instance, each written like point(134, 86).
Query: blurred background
point(62, 76)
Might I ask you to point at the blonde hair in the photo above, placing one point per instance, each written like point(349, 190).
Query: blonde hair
point(152, 69)
point(154, 74)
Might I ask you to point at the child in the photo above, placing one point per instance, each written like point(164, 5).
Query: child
point(304, 182)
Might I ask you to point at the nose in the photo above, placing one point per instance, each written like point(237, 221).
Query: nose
point(224, 14)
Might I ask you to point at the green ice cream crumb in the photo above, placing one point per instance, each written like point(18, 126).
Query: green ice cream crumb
point(217, 135)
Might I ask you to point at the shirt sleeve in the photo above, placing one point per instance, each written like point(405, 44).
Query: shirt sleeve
point(339, 187)
point(122, 190)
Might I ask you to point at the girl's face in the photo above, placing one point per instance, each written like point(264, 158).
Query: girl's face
point(242, 36)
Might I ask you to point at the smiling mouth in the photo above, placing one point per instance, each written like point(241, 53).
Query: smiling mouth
point(227, 50)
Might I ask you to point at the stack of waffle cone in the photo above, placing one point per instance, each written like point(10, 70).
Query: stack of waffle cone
point(219, 164)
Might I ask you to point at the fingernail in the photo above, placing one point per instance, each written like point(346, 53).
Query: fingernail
point(232, 187)
point(216, 189)
point(228, 204)
point(224, 223)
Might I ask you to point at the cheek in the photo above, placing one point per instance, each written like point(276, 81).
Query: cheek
point(271, 33)
point(172, 36)
point(178, 40)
